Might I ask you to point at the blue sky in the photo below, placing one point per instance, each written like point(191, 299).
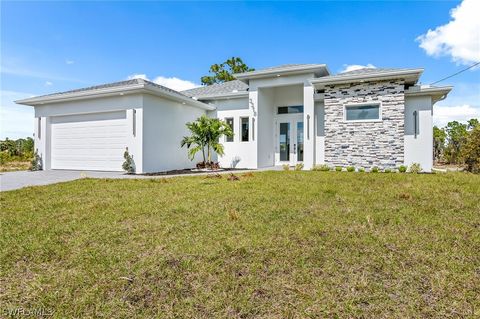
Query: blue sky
point(49, 46)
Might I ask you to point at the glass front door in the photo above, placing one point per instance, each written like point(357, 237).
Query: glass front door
point(284, 140)
point(299, 141)
point(290, 141)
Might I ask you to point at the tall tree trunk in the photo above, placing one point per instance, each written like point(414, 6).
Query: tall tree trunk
point(208, 152)
point(203, 153)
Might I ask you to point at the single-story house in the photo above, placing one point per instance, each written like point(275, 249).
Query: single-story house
point(298, 113)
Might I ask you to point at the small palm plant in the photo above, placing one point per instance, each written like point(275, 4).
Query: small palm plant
point(206, 133)
point(197, 140)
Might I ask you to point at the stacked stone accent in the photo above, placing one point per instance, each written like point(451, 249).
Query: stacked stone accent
point(365, 144)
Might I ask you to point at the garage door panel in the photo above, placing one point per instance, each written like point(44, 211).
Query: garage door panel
point(89, 142)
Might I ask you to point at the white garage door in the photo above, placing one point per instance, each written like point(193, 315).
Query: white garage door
point(89, 141)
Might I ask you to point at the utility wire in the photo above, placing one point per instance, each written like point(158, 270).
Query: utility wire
point(448, 77)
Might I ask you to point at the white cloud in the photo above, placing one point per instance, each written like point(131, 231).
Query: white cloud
point(353, 67)
point(459, 38)
point(68, 61)
point(137, 76)
point(16, 121)
point(175, 83)
point(48, 83)
point(172, 83)
point(462, 113)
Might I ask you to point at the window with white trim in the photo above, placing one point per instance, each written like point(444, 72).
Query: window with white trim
point(229, 122)
point(364, 112)
point(244, 121)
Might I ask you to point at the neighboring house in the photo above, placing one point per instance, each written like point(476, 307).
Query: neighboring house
point(280, 115)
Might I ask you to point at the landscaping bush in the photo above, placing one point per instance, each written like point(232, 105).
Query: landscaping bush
point(374, 169)
point(286, 167)
point(415, 168)
point(350, 169)
point(128, 165)
point(338, 168)
point(299, 167)
point(322, 168)
point(402, 168)
point(4, 157)
point(36, 163)
point(387, 170)
point(361, 170)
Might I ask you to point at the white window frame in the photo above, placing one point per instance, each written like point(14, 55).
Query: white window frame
point(376, 103)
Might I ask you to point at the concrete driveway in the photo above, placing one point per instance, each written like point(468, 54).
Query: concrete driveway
point(16, 180)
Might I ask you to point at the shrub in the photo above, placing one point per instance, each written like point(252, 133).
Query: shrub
point(36, 163)
point(286, 167)
point(402, 168)
point(471, 151)
point(374, 169)
point(415, 168)
point(338, 168)
point(350, 169)
point(387, 170)
point(361, 170)
point(4, 157)
point(322, 168)
point(299, 167)
point(128, 165)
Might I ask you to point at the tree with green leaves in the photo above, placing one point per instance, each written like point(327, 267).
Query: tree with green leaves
point(472, 124)
point(439, 138)
point(471, 149)
point(216, 129)
point(457, 134)
point(206, 133)
point(224, 72)
point(198, 139)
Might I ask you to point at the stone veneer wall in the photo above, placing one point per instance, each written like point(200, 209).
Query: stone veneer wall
point(365, 144)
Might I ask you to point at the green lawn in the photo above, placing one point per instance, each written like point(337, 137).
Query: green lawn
point(272, 245)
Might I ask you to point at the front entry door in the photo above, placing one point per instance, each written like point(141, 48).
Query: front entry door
point(290, 141)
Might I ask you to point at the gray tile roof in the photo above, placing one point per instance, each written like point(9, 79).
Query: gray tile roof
point(113, 85)
point(217, 89)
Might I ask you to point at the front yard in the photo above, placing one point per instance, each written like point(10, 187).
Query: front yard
point(273, 244)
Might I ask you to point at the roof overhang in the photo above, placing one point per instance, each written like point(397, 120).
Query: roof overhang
point(437, 93)
point(410, 76)
point(144, 88)
point(317, 69)
point(223, 96)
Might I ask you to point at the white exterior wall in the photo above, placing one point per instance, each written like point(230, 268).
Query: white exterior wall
point(319, 133)
point(96, 105)
point(237, 153)
point(42, 135)
point(163, 129)
point(308, 124)
point(419, 149)
point(266, 127)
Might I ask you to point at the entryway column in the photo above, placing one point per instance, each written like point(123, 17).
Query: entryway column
point(308, 126)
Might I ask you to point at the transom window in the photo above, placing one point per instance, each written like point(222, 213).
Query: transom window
point(366, 112)
point(290, 109)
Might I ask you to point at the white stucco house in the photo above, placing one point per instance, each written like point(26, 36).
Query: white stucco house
point(280, 115)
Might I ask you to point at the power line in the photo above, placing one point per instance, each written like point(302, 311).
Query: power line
point(448, 77)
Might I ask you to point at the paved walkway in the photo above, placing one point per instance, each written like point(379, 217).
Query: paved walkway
point(20, 179)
